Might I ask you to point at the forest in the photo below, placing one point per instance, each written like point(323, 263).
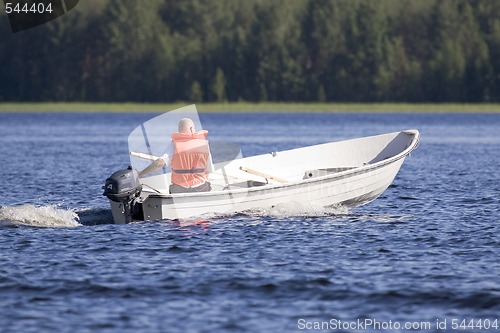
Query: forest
point(256, 51)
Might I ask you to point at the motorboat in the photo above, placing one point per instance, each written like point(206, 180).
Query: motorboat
point(346, 173)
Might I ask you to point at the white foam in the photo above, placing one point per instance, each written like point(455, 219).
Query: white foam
point(38, 216)
point(294, 209)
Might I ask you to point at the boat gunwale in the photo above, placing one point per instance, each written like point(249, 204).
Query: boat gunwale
point(334, 176)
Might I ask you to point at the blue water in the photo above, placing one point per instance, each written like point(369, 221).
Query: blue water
point(426, 251)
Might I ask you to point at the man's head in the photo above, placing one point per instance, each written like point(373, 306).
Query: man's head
point(186, 125)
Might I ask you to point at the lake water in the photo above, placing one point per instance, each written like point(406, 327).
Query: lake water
point(425, 254)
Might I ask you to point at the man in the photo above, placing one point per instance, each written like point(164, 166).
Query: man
point(189, 159)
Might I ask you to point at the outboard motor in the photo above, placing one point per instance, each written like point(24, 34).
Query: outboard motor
point(123, 189)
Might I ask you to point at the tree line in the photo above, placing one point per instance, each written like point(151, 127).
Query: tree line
point(258, 50)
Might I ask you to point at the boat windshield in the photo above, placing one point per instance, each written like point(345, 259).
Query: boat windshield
point(153, 139)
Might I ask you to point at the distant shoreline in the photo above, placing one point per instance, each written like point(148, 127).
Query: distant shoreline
point(240, 107)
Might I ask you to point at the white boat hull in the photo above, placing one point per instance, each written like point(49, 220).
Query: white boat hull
point(347, 173)
point(348, 192)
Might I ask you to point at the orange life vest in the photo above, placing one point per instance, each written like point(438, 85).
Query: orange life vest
point(189, 163)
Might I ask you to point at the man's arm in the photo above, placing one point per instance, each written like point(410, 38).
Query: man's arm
point(157, 164)
point(160, 162)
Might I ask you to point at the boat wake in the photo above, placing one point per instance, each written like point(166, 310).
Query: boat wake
point(294, 209)
point(38, 216)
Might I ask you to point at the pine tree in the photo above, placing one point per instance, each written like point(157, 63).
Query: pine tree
point(219, 86)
